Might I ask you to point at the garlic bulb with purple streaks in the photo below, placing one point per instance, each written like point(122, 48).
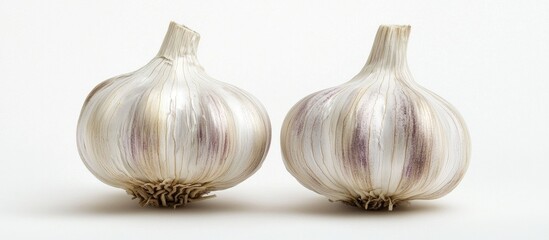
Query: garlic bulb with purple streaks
point(380, 139)
point(168, 133)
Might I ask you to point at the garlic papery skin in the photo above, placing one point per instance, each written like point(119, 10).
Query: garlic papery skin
point(168, 133)
point(379, 139)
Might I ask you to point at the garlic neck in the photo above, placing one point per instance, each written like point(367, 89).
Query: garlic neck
point(389, 49)
point(179, 42)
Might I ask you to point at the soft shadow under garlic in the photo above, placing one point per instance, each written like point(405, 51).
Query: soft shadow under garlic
point(118, 203)
point(322, 206)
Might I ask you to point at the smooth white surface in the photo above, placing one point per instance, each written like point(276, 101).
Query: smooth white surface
point(488, 58)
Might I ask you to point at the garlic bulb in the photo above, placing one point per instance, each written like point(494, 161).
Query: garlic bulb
point(168, 133)
point(379, 139)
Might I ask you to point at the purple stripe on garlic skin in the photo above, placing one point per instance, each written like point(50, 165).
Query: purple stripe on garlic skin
point(168, 133)
point(379, 139)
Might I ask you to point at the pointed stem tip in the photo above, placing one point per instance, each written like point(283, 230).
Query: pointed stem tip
point(178, 42)
point(389, 49)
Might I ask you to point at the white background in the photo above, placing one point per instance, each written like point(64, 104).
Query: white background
point(488, 58)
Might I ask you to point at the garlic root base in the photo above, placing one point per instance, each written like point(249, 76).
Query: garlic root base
point(169, 193)
point(374, 202)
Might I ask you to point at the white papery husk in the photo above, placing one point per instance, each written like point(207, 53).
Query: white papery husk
point(380, 139)
point(168, 133)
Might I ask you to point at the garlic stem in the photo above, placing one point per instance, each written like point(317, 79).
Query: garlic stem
point(389, 48)
point(180, 42)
